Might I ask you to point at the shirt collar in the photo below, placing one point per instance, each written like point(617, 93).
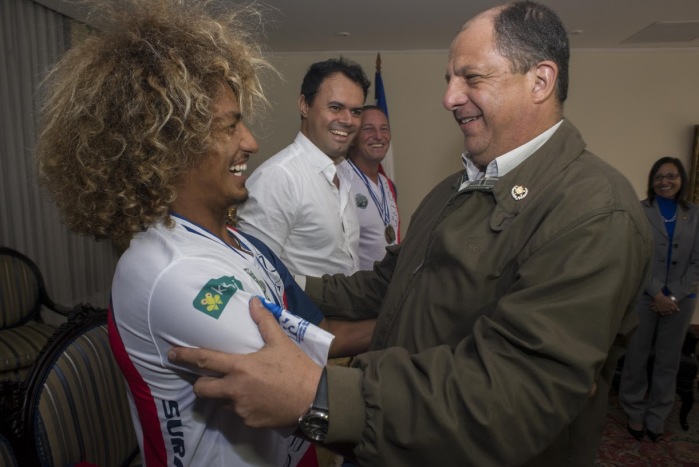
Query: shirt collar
point(316, 158)
point(501, 165)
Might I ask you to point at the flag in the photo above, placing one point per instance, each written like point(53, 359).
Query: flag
point(380, 101)
point(379, 93)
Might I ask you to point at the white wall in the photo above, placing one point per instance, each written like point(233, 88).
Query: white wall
point(632, 107)
point(635, 107)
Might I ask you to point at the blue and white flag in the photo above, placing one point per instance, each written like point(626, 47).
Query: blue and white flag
point(380, 101)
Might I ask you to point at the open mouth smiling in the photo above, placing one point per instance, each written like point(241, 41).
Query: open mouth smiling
point(238, 169)
point(465, 120)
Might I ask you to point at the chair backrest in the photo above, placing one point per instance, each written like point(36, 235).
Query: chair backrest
point(7, 453)
point(21, 288)
point(76, 407)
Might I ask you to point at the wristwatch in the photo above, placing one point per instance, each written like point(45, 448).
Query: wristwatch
point(314, 423)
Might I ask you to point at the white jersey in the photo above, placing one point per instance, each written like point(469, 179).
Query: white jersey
point(376, 211)
point(185, 287)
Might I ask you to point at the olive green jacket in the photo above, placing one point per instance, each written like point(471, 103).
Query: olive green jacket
point(499, 315)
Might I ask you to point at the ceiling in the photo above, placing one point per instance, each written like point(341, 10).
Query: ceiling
point(389, 25)
point(382, 25)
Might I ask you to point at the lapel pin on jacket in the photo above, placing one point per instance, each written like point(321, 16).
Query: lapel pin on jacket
point(519, 192)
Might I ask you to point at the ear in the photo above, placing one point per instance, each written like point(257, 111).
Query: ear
point(303, 106)
point(545, 75)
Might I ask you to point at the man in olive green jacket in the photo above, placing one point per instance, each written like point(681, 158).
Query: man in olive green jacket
point(503, 311)
point(499, 318)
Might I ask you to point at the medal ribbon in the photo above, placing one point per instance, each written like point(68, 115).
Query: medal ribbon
point(259, 258)
point(383, 206)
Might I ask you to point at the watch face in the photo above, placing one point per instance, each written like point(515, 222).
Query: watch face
point(314, 425)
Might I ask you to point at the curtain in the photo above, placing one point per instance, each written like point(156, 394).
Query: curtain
point(75, 269)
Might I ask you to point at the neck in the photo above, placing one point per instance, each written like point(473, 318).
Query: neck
point(368, 168)
point(665, 200)
point(336, 159)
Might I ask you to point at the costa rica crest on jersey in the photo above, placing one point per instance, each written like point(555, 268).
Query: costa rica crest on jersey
point(215, 295)
point(361, 201)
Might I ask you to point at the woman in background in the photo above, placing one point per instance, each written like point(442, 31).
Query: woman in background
point(665, 308)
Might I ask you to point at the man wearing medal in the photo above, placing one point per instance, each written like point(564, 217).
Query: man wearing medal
point(373, 193)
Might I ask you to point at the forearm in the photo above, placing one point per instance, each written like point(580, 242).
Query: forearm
point(688, 283)
point(351, 337)
point(685, 282)
point(354, 297)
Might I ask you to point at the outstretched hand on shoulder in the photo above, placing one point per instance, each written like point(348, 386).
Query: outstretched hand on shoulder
point(269, 388)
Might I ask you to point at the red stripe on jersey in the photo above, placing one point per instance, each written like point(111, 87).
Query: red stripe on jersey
point(153, 443)
point(310, 458)
point(392, 188)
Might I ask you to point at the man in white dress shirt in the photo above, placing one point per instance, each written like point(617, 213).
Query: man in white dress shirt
point(300, 203)
point(373, 193)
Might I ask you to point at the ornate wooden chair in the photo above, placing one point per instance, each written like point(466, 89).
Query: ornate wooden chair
point(22, 295)
point(7, 453)
point(73, 407)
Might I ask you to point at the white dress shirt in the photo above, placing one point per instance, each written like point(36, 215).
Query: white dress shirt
point(295, 209)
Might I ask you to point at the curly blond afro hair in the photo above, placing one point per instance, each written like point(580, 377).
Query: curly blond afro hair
point(129, 110)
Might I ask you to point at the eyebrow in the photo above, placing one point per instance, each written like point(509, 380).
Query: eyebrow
point(228, 117)
point(465, 70)
point(341, 104)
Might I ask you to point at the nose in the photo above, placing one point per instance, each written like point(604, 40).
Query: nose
point(248, 143)
point(347, 117)
point(375, 133)
point(455, 94)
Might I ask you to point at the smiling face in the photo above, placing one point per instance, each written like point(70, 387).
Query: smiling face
point(373, 138)
point(492, 106)
point(216, 182)
point(667, 181)
point(332, 120)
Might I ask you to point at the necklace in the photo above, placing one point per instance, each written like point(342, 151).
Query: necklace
point(667, 221)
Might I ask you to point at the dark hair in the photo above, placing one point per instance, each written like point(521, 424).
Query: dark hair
point(317, 73)
point(527, 33)
point(680, 196)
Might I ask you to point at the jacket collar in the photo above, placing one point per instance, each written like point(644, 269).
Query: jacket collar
point(656, 219)
point(521, 186)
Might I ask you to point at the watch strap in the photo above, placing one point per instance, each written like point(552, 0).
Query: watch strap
point(321, 401)
point(314, 423)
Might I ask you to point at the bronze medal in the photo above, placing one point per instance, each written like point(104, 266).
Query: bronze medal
point(390, 234)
